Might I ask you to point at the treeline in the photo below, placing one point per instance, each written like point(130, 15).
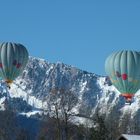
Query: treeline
point(56, 122)
point(9, 127)
point(58, 129)
point(49, 130)
point(99, 127)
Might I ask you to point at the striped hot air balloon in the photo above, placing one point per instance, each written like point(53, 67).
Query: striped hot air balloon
point(123, 68)
point(13, 59)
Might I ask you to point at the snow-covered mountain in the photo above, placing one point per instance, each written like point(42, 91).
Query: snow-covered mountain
point(30, 92)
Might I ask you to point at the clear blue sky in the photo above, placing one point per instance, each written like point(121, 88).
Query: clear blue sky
point(81, 33)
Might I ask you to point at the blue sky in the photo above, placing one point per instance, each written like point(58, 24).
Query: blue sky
point(81, 33)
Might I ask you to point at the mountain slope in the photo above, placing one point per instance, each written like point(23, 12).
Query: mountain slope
point(30, 92)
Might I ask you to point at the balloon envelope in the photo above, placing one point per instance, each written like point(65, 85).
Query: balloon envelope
point(123, 68)
point(13, 59)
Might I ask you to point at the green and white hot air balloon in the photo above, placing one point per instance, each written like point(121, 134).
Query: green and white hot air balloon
point(123, 69)
point(13, 59)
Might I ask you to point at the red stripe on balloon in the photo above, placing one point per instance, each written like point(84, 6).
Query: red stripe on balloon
point(124, 76)
point(0, 65)
point(18, 65)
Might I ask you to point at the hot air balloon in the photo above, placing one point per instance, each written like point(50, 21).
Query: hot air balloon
point(123, 69)
point(13, 59)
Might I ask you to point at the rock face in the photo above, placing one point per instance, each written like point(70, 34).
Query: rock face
point(29, 94)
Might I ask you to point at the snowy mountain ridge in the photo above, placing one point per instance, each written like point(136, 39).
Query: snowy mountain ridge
point(29, 94)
